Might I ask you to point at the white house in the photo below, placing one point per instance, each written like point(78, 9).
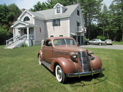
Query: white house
point(33, 27)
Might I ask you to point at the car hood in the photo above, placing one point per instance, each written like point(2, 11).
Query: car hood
point(69, 48)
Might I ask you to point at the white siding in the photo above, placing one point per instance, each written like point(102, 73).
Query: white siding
point(74, 19)
point(40, 25)
point(58, 30)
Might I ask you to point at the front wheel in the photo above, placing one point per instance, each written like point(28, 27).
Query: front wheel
point(60, 76)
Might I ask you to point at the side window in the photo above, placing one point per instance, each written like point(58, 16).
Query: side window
point(48, 43)
point(78, 12)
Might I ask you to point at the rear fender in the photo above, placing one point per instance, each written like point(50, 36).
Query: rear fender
point(67, 65)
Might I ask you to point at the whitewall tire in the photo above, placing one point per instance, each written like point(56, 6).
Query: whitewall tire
point(60, 76)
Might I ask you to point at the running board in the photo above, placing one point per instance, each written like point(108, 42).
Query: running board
point(46, 64)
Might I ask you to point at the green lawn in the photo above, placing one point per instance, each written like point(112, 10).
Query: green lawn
point(118, 43)
point(20, 72)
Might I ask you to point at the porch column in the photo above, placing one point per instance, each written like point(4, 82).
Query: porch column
point(28, 35)
point(14, 35)
point(76, 38)
point(80, 40)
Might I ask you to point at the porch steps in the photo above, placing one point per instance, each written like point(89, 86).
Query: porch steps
point(15, 44)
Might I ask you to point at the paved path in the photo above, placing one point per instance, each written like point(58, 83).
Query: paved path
point(119, 47)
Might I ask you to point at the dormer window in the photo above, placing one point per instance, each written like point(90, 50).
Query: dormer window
point(26, 18)
point(58, 9)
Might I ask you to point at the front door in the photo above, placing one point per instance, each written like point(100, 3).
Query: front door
point(48, 51)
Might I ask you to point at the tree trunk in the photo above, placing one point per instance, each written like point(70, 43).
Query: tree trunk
point(122, 34)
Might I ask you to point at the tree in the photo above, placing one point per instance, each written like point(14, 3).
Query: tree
point(50, 3)
point(90, 9)
point(14, 11)
point(3, 14)
point(4, 35)
point(116, 10)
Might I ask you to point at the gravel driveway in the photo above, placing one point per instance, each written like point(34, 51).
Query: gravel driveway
point(119, 47)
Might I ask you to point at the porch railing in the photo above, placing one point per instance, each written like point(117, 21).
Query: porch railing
point(15, 39)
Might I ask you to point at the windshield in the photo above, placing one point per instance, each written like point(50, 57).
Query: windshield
point(59, 42)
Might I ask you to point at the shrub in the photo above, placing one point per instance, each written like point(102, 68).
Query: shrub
point(24, 45)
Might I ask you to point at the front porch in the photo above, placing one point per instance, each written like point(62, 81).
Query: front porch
point(22, 33)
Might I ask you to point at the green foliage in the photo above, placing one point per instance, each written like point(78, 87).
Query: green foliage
point(101, 37)
point(8, 14)
point(4, 35)
point(50, 4)
point(24, 45)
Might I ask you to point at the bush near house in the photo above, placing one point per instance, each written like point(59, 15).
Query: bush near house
point(20, 72)
point(4, 35)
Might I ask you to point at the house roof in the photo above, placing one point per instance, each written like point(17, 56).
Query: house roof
point(50, 13)
point(47, 14)
point(22, 22)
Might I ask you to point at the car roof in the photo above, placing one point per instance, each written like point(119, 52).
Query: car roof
point(52, 38)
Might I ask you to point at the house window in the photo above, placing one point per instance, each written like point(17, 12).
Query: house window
point(60, 35)
point(51, 35)
point(78, 12)
point(26, 18)
point(58, 9)
point(56, 22)
point(78, 24)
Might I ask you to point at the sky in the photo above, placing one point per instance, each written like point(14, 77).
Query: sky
point(27, 4)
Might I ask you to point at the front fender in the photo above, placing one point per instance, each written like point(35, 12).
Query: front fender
point(67, 65)
point(41, 55)
point(96, 63)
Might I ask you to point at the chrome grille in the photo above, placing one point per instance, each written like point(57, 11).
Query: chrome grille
point(84, 61)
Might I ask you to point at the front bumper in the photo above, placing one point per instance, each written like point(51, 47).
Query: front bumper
point(85, 73)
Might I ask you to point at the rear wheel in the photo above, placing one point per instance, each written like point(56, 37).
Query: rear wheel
point(60, 76)
point(39, 59)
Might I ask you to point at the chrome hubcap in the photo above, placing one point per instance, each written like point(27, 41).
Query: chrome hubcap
point(59, 73)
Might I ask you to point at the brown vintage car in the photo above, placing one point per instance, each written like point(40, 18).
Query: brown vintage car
point(63, 57)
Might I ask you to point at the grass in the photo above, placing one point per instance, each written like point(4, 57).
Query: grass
point(20, 72)
point(118, 43)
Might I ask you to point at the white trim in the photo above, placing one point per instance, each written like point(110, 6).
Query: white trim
point(34, 29)
point(68, 27)
point(28, 35)
point(14, 34)
point(57, 5)
point(26, 11)
point(21, 22)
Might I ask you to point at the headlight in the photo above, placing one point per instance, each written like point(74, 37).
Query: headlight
point(73, 55)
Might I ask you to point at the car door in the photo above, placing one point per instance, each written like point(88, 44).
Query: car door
point(48, 51)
